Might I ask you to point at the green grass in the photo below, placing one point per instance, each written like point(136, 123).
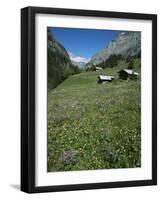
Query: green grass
point(94, 126)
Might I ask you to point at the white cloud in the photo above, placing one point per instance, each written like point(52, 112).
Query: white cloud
point(78, 58)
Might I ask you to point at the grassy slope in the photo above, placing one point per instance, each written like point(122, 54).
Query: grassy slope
point(99, 122)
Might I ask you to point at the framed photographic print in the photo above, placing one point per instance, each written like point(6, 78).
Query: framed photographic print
point(88, 99)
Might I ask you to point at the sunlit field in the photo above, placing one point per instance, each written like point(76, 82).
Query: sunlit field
point(92, 125)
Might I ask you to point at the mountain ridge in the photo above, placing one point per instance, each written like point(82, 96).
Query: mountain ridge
point(125, 44)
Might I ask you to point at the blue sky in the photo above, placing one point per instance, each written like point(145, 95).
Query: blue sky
point(82, 44)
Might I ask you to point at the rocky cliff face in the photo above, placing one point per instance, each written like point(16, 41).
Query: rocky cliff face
point(126, 44)
point(60, 66)
point(56, 48)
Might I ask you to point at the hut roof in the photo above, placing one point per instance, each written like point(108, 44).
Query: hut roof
point(130, 72)
point(105, 78)
point(135, 73)
point(99, 68)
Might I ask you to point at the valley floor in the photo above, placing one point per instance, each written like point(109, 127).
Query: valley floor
point(94, 126)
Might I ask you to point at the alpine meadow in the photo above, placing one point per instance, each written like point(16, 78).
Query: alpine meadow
point(94, 100)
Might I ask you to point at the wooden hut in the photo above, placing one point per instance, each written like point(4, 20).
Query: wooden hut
point(104, 79)
point(128, 74)
point(98, 68)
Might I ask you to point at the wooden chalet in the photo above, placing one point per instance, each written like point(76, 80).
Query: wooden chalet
point(98, 68)
point(103, 79)
point(128, 74)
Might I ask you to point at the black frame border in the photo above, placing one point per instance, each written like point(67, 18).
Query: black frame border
point(28, 98)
